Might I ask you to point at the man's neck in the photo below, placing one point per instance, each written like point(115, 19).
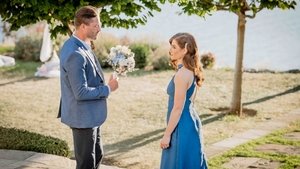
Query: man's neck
point(82, 37)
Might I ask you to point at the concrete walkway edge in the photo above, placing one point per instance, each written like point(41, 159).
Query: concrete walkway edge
point(15, 159)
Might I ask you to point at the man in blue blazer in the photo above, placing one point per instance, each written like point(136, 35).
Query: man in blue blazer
point(83, 89)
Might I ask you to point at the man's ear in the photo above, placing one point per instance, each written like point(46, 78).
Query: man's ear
point(82, 26)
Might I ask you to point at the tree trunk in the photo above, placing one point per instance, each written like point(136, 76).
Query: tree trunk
point(236, 103)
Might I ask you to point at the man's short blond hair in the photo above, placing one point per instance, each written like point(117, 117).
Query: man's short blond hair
point(84, 15)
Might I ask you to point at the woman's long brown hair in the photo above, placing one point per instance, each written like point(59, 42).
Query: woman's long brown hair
point(191, 60)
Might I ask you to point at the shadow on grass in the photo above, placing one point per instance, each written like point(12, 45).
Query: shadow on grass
point(32, 78)
point(146, 138)
point(226, 111)
point(134, 142)
point(292, 90)
point(212, 118)
point(116, 149)
point(114, 162)
point(204, 116)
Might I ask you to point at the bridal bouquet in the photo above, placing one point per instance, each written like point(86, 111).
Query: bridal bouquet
point(121, 59)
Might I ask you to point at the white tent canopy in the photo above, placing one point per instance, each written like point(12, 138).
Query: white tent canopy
point(48, 55)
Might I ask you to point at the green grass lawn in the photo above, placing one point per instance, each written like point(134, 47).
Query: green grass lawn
point(20, 70)
point(4, 49)
point(137, 110)
point(248, 150)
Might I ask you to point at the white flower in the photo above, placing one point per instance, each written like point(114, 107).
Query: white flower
point(121, 59)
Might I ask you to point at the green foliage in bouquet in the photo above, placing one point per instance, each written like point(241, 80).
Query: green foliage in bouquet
point(28, 49)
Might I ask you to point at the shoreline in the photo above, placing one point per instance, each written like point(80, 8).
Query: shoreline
point(252, 70)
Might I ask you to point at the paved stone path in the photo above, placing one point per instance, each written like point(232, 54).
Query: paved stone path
point(261, 163)
point(251, 163)
point(254, 133)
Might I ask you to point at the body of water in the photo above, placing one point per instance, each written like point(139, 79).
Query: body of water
point(272, 38)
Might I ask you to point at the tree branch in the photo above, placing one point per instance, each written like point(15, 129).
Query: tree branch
point(254, 13)
point(222, 7)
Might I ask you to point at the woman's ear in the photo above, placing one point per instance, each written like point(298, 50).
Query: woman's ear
point(185, 49)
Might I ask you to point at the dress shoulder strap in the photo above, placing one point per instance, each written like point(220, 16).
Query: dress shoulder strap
point(195, 93)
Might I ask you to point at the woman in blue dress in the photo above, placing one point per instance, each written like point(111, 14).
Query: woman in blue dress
point(182, 142)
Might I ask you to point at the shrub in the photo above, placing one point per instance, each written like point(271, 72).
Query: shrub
point(162, 63)
point(125, 40)
point(141, 56)
point(102, 48)
point(28, 49)
point(208, 60)
point(16, 139)
point(101, 54)
point(153, 46)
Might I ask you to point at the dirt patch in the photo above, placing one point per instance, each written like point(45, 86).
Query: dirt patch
point(265, 164)
point(276, 148)
point(293, 136)
point(247, 163)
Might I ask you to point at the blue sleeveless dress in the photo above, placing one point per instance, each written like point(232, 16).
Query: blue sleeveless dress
point(186, 145)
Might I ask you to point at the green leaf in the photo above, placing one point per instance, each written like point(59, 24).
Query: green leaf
point(21, 13)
